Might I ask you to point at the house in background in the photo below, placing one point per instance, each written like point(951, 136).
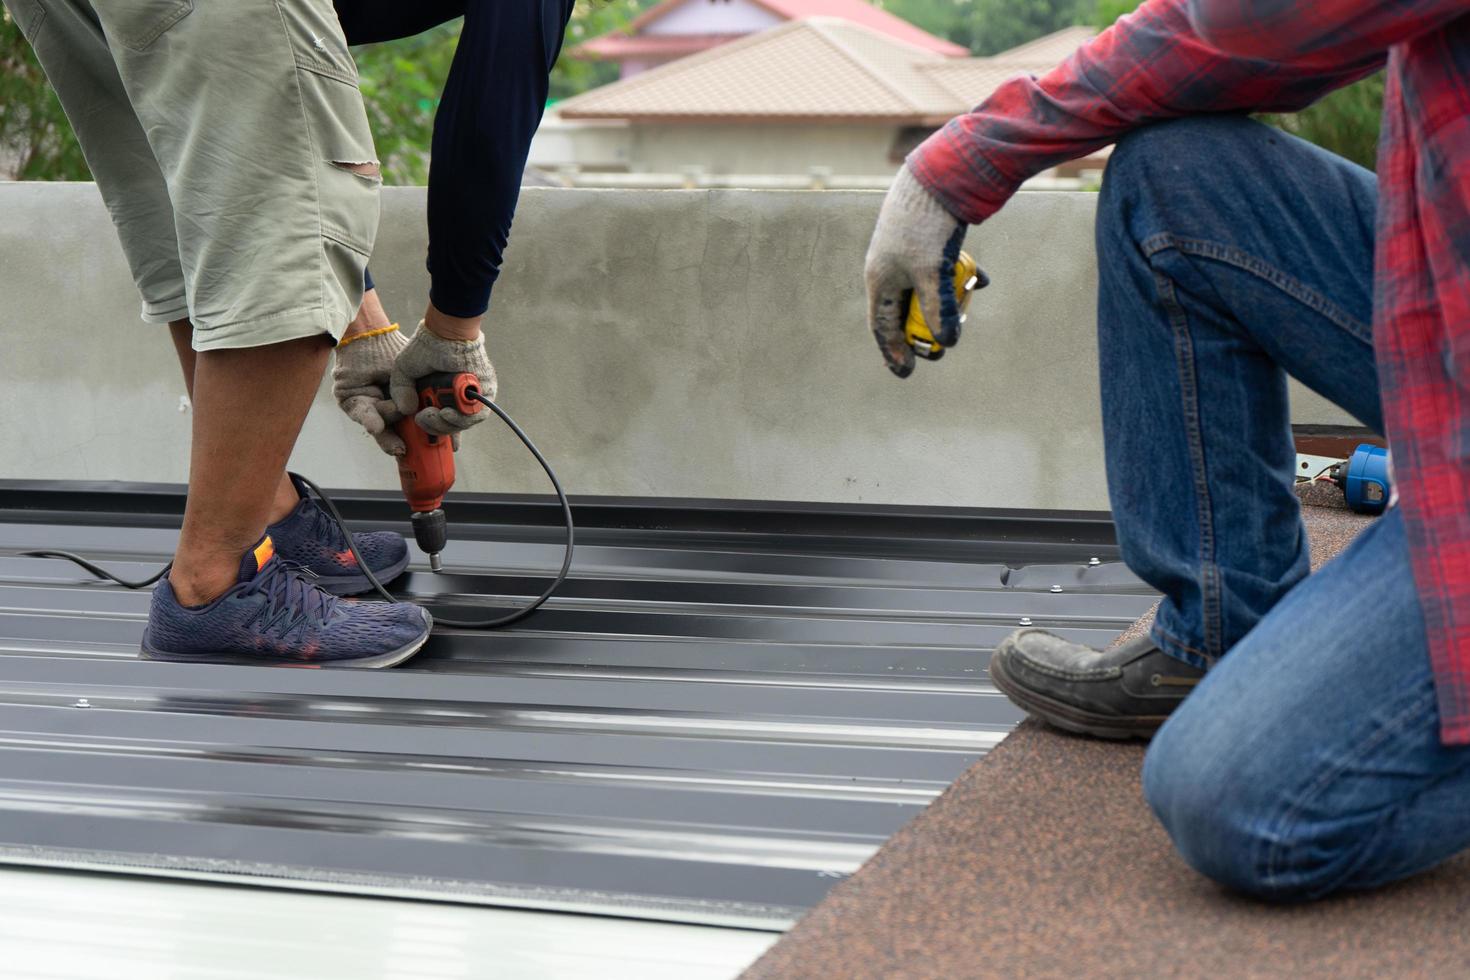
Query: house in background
point(818, 96)
point(676, 28)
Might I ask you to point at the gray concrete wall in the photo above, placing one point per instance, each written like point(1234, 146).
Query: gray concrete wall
point(699, 343)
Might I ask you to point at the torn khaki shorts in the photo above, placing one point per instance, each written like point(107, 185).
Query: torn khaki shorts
point(217, 131)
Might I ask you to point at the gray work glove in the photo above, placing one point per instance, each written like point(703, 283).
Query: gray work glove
point(360, 376)
point(428, 353)
point(914, 248)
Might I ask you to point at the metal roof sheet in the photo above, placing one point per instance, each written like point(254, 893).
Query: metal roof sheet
point(729, 707)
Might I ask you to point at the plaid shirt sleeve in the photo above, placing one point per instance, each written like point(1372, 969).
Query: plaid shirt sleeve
point(1150, 66)
point(1323, 32)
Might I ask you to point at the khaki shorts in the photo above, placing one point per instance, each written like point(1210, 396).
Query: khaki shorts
point(219, 133)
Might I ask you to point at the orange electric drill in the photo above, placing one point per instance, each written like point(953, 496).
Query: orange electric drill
point(426, 470)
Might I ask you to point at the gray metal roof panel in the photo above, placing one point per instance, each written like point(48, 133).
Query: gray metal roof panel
point(727, 709)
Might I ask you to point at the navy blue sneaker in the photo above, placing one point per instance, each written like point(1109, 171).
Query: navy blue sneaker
point(275, 615)
point(310, 538)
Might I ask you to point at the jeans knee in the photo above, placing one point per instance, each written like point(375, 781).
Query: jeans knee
point(1196, 794)
point(1225, 817)
point(1171, 162)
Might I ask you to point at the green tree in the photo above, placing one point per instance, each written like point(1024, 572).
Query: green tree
point(989, 27)
point(36, 142)
point(402, 82)
point(999, 25)
point(948, 19)
point(1346, 121)
point(593, 18)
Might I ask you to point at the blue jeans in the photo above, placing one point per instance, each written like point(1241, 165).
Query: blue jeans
point(1308, 759)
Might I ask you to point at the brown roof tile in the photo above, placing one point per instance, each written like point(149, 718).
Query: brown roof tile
point(818, 68)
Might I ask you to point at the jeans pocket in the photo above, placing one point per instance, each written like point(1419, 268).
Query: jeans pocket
point(138, 23)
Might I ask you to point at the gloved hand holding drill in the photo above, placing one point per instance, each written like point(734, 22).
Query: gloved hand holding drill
point(373, 380)
point(913, 253)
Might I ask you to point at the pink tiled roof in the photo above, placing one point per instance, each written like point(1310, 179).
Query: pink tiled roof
point(814, 69)
point(616, 47)
point(857, 11)
point(869, 16)
point(817, 68)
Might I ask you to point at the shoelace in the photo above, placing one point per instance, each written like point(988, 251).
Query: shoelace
point(291, 599)
point(324, 528)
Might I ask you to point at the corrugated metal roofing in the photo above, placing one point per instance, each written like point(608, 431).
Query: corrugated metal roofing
point(727, 709)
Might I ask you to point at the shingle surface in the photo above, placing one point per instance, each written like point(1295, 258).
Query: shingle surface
point(1043, 861)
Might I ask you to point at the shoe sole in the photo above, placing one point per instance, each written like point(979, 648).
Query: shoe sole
point(390, 659)
point(348, 585)
point(1069, 718)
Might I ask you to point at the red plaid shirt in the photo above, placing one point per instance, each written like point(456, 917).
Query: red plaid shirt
point(1183, 57)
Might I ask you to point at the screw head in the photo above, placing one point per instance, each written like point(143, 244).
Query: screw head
point(1025, 620)
point(82, 703)
point(1094, 561)
point(1056, 588)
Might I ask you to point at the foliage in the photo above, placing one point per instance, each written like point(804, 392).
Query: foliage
point(998, 25)
point(1108, 11)
point(987, 27)
point(591, 18)
point(1345, 122)
point(36, 141)
point(401, 83)
point(948, 19)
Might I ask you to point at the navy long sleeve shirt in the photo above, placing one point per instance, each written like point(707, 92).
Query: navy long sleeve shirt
point(493, 102)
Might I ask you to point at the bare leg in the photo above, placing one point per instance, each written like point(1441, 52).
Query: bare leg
point(182, 332)
point(370, 316)
point(235, 470)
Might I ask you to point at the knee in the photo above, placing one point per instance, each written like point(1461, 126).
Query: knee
point(1179, 161)
point(1223, 814)
point(1187, 788)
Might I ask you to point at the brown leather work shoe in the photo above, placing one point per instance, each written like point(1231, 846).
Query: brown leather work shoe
point(1126, 692)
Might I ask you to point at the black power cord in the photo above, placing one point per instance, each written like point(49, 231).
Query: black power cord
point(326, 501)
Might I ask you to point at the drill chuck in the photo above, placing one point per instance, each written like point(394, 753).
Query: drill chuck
point(426, 468)
point(431, 532)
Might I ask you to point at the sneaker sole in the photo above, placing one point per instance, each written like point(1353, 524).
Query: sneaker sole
point(390, 659)
point(346, 585)
point(1070, 718)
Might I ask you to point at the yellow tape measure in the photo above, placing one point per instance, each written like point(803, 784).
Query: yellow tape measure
point(916, 331)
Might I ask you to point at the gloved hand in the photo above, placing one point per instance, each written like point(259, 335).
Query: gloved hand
point(364, 363)
point(428, 353)
point(914, 248)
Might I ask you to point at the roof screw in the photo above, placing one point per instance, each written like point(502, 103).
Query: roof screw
point(1094, 561)
point(1025, 620)
point(82, 703)
point(1056, 588)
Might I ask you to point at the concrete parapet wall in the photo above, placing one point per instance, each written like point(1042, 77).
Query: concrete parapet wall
point(688, 343)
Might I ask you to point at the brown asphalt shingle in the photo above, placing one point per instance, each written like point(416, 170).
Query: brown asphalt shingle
point(1043, 861)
